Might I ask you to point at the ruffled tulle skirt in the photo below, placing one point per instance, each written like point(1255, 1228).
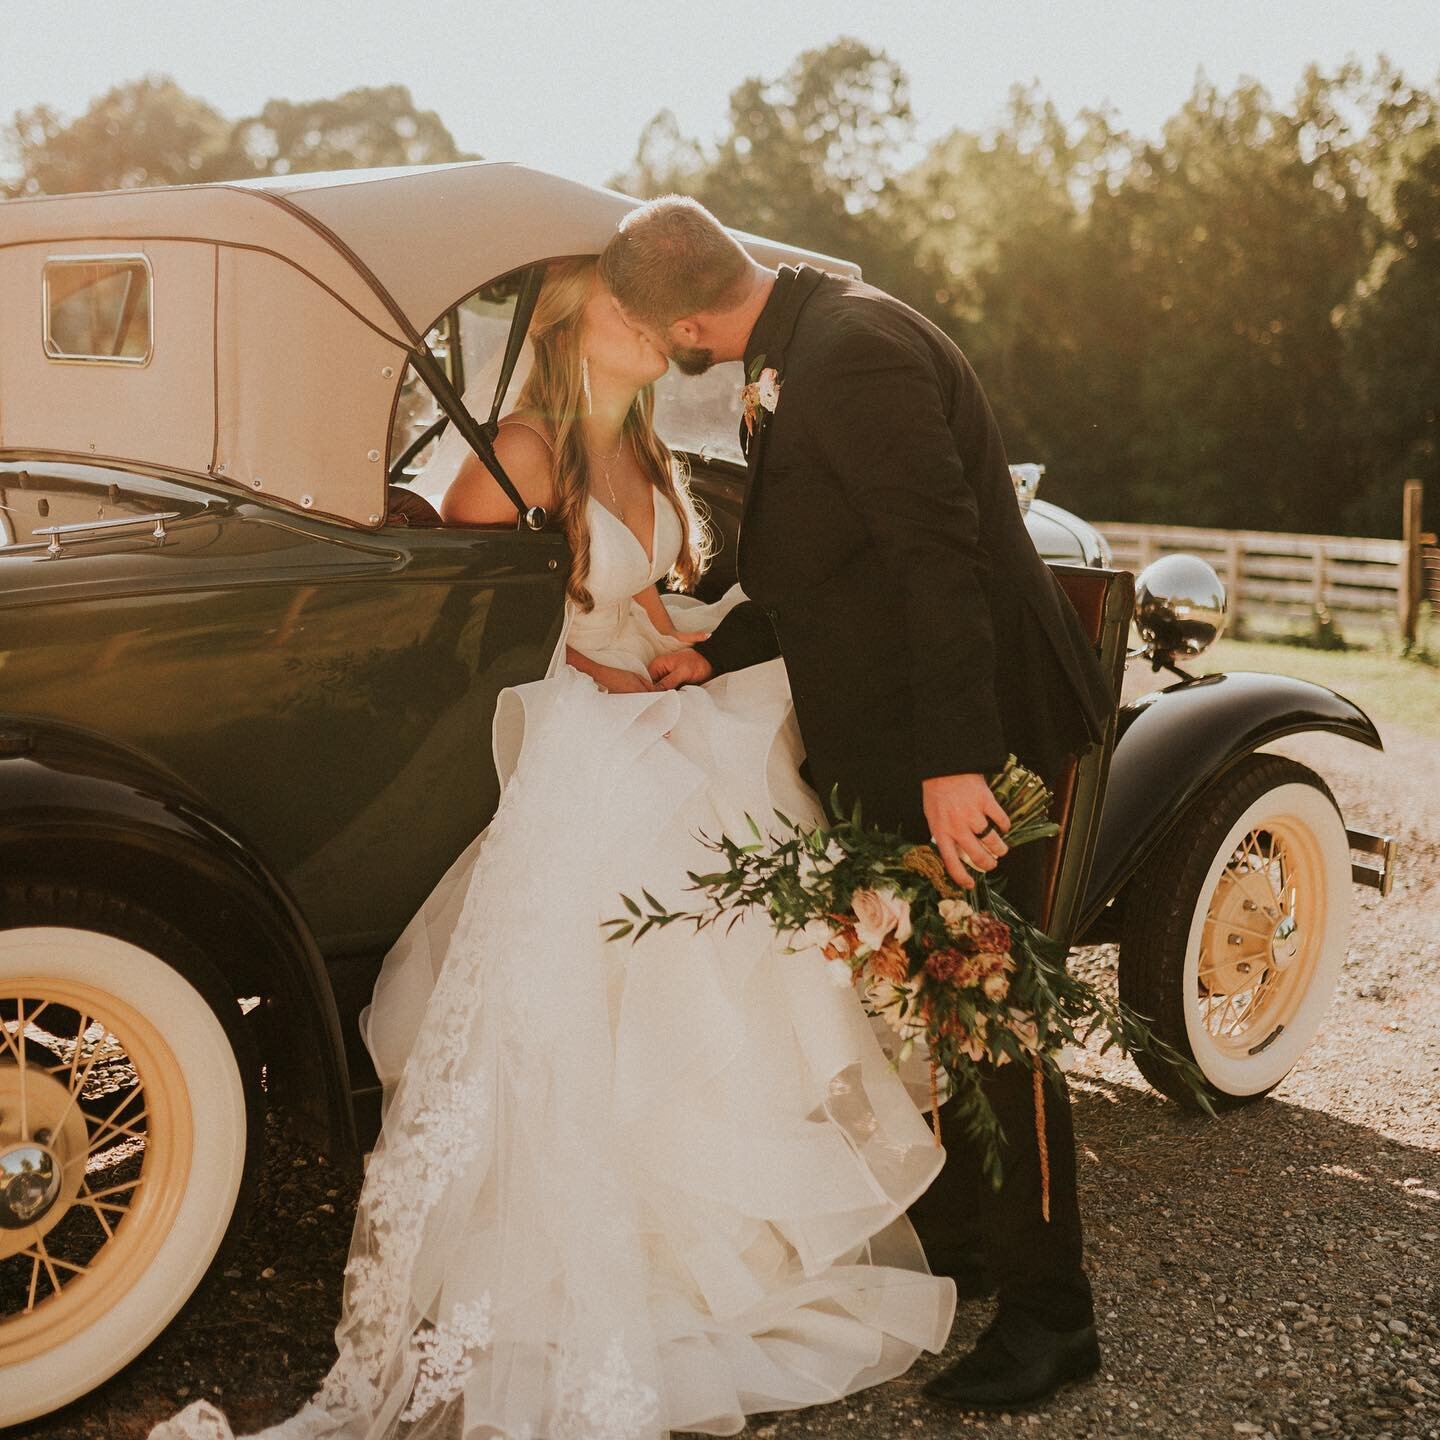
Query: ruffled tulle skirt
point(622, 1189)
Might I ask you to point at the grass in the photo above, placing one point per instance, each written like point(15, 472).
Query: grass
point(1387, 687)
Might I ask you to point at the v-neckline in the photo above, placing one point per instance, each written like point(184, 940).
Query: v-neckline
point(640, 544)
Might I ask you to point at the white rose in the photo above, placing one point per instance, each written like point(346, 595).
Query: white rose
point(812, 866)
point(841, 976)
point(812, 935)
point(955, 913)
point(767, 388)
point(878, 913)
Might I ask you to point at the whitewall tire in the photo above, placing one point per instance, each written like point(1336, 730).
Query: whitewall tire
point(1236, 929)
point(127, 1129)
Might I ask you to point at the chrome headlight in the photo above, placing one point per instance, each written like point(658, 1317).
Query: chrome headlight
point(1180, 605)
point(1026, 479)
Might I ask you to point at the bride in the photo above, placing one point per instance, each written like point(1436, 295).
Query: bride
point(619, 1189)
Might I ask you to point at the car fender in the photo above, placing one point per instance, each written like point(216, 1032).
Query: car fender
point(1174, 742)
point(77, 809)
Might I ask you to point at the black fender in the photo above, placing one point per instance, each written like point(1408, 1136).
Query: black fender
point(1174, 742)
point(77, 809)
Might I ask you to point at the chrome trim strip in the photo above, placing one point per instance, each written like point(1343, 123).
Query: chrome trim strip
point(86, 529)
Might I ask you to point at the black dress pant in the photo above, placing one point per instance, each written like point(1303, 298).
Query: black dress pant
point(1036, 1264)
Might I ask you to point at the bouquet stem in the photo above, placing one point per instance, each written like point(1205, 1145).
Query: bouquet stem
point(935, 1100)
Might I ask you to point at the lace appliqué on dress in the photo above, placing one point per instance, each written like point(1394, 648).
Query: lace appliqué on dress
point(608, 1403)
point(445, 1357)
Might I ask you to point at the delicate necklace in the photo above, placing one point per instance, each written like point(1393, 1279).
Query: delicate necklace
point(605, 465)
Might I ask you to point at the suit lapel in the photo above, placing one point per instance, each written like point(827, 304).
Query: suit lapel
point(771, 338)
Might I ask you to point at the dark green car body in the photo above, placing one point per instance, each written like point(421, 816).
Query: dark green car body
point(320, 695)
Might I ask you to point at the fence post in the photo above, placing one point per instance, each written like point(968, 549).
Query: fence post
point(1234, 565)
point(1408, 595)
point(1322, 568)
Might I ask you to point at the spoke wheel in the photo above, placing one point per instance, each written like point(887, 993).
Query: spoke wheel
point(128, 1115)
point(94, 1156)
point(1236, 928)
point(1261, 938)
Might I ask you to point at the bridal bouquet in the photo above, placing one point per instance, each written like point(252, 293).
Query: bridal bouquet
point(961, 972)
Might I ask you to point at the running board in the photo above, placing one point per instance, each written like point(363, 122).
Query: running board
point(1381, 876)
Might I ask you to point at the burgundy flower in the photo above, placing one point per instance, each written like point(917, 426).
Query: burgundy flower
point(989, 934)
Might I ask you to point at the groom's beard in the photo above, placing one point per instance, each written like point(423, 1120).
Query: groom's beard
point(691, 360)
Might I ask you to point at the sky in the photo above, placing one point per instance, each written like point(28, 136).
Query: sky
point(568, 85)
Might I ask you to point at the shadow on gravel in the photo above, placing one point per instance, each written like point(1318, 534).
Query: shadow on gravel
point(1205, 1237)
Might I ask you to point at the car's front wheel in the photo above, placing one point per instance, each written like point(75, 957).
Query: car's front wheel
point(129, 1132)
point(1236, 929)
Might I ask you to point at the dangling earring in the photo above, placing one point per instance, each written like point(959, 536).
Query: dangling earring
point(585, 384)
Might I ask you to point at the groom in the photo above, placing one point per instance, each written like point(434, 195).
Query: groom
point(886, 560)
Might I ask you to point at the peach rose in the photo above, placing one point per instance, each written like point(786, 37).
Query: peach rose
point(996, 987)
point(878, 913)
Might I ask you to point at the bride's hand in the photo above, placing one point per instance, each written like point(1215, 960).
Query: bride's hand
point(689, 637)
point(621, 682)
point(675, 668)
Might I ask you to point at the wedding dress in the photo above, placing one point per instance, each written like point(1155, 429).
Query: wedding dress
point(621, 1189)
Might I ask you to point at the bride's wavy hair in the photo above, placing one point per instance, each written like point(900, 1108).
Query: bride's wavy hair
point(555, 391)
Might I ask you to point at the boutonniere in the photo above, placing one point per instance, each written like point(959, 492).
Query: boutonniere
point(762, 392)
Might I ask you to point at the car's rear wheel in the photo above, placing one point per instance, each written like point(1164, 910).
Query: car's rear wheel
point(129, 1136)
point(1236, 929)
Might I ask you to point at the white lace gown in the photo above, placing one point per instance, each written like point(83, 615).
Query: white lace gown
point(622, 1190)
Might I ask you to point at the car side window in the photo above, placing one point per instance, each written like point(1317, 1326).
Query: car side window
point(701, 413)
point(98, 309)
point(469, 341)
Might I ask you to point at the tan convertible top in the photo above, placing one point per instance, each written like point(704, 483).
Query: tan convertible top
point(282, 314)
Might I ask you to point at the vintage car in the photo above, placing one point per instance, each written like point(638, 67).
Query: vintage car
point(247, 679)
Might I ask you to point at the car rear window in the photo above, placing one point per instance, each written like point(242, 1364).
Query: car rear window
point(98, 309)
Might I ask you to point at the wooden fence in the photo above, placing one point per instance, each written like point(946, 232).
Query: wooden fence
point(1282, 581)
point(1419, 563)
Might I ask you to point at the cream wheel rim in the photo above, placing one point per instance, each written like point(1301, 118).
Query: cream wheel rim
point(95, 1143)
point(1262, 938)
point(1269, 932)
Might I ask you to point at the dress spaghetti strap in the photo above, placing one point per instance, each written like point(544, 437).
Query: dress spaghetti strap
point(516, 420)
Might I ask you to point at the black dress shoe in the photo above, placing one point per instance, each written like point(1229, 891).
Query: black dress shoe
point(1015, 1363)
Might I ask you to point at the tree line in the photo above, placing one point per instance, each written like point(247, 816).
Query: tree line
point(1235, 325)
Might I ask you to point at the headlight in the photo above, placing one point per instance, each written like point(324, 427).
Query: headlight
point(1180, 605)
point(1026, 479)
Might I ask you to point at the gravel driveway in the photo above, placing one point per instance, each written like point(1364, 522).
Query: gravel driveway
point(1272, 1272)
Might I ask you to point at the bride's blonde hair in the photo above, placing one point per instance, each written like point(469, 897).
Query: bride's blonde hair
point(555, 392)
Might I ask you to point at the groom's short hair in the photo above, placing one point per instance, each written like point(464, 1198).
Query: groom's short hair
point(671, 258)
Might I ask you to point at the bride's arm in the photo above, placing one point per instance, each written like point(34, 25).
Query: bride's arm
point(608, 677)
point(649, 601)
point(475, 496)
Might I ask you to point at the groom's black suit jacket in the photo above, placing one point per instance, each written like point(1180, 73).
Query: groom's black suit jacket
point(886, 559)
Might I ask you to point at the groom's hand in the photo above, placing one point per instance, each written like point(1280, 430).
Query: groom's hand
point(958, 808)
point(675, 668)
